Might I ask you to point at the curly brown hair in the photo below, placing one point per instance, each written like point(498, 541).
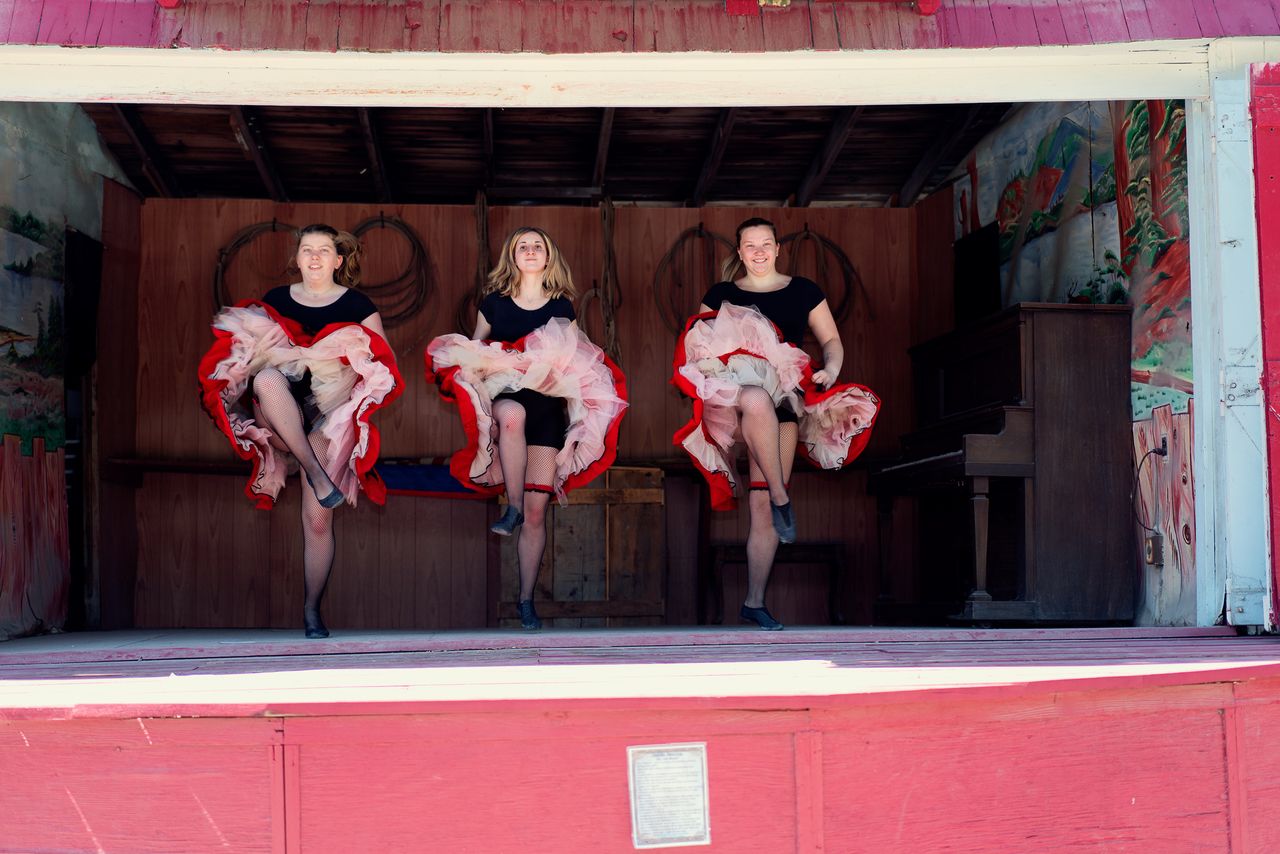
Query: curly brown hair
point(347, 245)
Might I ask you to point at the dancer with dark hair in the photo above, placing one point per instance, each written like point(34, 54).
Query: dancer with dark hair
point(312, 359)
point(530, 377)
point(740, 359)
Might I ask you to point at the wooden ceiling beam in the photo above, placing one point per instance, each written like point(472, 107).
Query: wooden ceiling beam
point(247, 127)
point(837, 135)
point(535, 192)
point(154, 167)
point(944, 143)
point(719, 142)
point(377, 159)
point(602, 146)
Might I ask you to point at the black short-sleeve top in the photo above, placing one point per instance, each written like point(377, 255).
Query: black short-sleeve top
point(788, 307)
point(351, 307)
point(509, 322)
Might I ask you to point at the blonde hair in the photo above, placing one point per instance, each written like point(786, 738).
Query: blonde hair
point(733, 269)
point(346, 244)
point(557, 280)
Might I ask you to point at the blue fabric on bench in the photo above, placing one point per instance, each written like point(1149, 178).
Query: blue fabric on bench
point(421, 479)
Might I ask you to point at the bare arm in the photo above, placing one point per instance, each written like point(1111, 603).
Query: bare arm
point(824, 329)
point(482, 328)
point(374, 323)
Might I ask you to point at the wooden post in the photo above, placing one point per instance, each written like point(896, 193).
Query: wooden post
point(981, 506)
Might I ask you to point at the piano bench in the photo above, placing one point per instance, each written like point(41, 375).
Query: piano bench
point(830, 555)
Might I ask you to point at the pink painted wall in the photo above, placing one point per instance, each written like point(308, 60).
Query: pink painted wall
point(1129, 767)
point(573, 26)
point(1266, 136)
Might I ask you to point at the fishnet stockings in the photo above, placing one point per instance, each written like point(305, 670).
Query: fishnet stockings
point(762, 539)
point(522, 463)
point(540, 469)
point(318, 541)
point(276, 407)
point(761, 432)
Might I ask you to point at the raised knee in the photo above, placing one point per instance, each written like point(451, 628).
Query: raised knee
point(267, 378)
point(510, 418)
point(754, 400)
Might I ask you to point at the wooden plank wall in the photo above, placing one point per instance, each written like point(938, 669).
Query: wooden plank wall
point(206, 558)
point(115, 411)
point(606, 26)
point(34, 576)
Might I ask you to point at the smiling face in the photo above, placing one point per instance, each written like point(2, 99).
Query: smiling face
point(317, 258)
point(758, 249)
point(530, 253)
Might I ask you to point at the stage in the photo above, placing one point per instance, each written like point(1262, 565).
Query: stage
point(815, 739)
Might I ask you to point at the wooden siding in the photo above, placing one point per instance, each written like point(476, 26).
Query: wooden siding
point(206, 558)
point(34, 580)
point(610, 26)
point(115, 529)
point(1266, 129)
point(826, 740)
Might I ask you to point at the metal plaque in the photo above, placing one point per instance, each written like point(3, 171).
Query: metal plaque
point(669, 805)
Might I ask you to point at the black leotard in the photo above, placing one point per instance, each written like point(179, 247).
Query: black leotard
point(351, 307)
point(788, 307)
point(545, 419)
point(509, 322)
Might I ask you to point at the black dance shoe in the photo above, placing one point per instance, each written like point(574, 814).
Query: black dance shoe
point(312, 626)
point(529, 617)
point(506, 526)
point(330, 501)
point(761, 617)
point(784, 522)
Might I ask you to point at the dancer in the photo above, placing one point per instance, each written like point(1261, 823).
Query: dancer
point(741, 362)
point(312, 360)
point(531, 377)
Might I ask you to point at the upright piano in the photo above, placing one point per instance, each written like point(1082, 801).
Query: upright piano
point(1020, 467)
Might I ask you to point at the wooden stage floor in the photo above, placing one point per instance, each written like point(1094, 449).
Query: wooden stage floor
point(815, 740)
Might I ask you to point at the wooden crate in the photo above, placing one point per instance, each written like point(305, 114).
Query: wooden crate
point(606, 557)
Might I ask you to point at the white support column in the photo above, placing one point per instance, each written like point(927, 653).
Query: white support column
point(1233, 541)
point(1206, 338)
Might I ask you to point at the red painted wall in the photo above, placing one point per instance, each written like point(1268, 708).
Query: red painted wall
point(1266, 136)
point(1176, 768)
point(589, 26)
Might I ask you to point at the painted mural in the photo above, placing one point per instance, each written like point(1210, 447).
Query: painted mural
point(31, 393)
point(51, 164)
point(1090, 203)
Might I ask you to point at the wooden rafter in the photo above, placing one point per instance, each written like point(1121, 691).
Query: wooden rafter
point(837, 136)
point(245, 123)
point(535, 192)
point(154, 166)
point(942, 146)
point(602, 146)
point(719, 142)
point(377, 160)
